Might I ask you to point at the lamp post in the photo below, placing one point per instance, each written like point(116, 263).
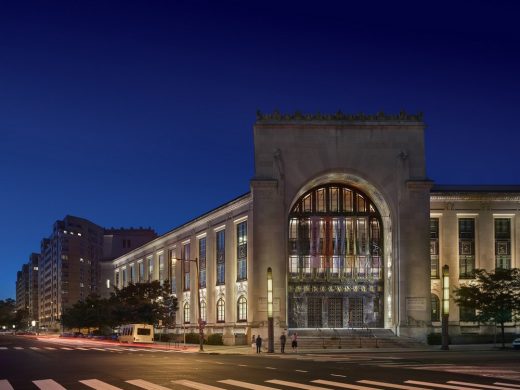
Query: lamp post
point(270, 322)
point(200, 321)
point(445, 306)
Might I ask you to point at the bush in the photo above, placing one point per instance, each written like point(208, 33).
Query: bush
point(434, 339)
point(215, 339)
point(192, 338)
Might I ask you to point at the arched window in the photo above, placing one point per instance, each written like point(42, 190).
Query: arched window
point(335, 246)
point(220, 310)
point(436, 308)
point(186, 313)
point(242, 308)
point(203, 310)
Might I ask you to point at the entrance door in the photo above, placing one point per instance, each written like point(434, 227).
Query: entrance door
point(355, 312)
point(335, 306)
point(314, 319)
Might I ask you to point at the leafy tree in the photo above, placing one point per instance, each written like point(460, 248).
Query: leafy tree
point(149, 303)
point(495, 296)
point(7, 312)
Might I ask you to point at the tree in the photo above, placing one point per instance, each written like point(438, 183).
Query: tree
point(495, 296)
point(146, 303)
point(7, 312)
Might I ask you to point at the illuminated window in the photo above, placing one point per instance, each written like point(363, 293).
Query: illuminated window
point(502, 243)
point(203, 311)
point(140, 274)
point(132, 274)
point(202, 262)
point(221, 256)
point(185, 255)
point(242, 308)
point(160, 258)
point(466, 247)
point(220, 310)
point(434, 248)
point(186, 313)
point(242, 251)
point(149, 260)
point(335, 238)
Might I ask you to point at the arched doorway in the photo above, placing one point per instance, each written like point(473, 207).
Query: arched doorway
point(335, 264)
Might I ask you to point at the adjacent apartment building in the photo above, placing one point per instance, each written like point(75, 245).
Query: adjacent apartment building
point(71, 262)
point(342, 228)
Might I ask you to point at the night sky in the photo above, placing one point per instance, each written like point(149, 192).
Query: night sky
point(140, 113)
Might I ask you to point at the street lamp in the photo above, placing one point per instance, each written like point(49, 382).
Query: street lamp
point(201, 322)
point(445, 305)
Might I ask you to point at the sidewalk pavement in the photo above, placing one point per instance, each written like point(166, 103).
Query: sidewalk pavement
point(249, 350)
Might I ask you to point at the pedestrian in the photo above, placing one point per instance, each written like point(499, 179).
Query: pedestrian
point(258, 344)
point(253, 341)
point(283, 339)
point(294, 342)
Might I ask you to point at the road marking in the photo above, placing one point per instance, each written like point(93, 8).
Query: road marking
point(99, 385)
point(297, 385)
point(82, 349)
point(219, 363)
point(441, 385)
point(48, 384)
point(5, 385)
point(99, 349)
point(341, 376)
point(242, 365)
point(3, 347)
point(301, 371)
point(392, 385)
point(113, 349)
point(344, 385)
point(246, 385)
point(196, 385)
point(271, 368)
point(35, 348)
point(479, 385)
point(507, 384)
point(146, 385)
point(51, 348)
point(18, 347)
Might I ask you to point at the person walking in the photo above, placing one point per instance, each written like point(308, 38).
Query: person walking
point(294, 343)
point(258, 344)
point(283, 339)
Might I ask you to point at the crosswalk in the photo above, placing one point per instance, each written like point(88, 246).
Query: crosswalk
point(271, 384)
point(105, 349)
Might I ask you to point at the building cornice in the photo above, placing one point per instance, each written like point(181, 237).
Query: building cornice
point(180, 233)
point(339, 116)
point(464, 196)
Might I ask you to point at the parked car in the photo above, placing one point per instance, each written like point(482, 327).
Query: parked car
point(516, 343)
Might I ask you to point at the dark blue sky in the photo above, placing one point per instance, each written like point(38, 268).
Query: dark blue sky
point(139, 113)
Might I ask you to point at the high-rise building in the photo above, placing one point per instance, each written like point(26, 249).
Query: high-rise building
point(70, 263)
point(22, 288)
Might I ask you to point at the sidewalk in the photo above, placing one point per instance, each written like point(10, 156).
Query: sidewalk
point(249, 350)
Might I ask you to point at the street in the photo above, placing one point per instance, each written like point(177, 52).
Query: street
point(30, 363)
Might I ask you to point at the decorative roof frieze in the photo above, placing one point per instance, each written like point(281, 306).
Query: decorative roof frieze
point(462, 196)
point(339, 116)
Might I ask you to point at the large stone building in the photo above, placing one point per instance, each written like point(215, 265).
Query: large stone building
point(72, 261)
point(337, 227)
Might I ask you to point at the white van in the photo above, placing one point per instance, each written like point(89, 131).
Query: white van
point(136, 333)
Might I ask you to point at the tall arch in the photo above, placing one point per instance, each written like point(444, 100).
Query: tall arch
point(342, 306)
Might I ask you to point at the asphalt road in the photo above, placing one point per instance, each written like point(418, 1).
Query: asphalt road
point(53, 364)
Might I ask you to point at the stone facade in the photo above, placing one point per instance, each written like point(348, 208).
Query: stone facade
point(348, 262)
